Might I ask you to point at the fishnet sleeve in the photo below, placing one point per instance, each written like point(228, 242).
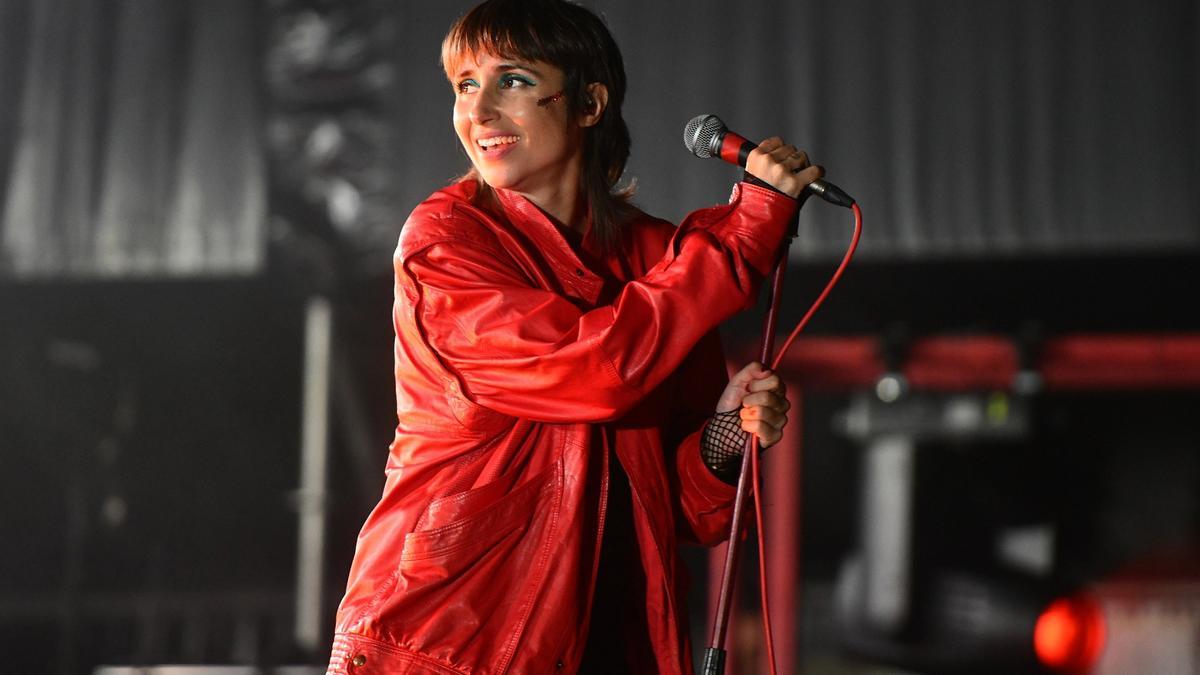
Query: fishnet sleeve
point(722, 445)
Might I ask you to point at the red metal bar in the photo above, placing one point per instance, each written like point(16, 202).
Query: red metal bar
point(959, 362)
point(783, 511)
point(953, 363)
point(1121, 361)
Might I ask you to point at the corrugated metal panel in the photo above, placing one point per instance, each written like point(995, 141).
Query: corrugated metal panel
point(136, 149)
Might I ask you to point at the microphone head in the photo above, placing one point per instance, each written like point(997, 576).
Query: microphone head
point(702, 135)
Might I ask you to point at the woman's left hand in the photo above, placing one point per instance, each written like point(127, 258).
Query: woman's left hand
point(761, 397)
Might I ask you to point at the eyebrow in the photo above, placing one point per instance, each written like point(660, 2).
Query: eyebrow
point(506, 67)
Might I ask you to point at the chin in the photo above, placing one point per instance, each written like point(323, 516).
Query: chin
point(499, 179)
point(496, 179)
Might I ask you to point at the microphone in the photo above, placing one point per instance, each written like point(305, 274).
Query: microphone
point(707, 136)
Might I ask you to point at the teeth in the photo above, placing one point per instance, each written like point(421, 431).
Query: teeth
point(496, 140)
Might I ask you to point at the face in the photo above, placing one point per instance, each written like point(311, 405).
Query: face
point(517, 135)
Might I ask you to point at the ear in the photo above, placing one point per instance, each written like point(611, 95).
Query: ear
point(594, 104)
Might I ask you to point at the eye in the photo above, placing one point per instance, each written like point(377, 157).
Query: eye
point(466, 86)
point(511, 81)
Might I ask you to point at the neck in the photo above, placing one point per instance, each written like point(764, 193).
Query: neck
point(568, 210)
point(564, 200)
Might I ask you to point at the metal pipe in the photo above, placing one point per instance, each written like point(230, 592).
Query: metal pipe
point(783, 513)
point(314, 459)
point(714, 656)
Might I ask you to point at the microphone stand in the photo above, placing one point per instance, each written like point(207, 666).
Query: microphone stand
point(714, 656)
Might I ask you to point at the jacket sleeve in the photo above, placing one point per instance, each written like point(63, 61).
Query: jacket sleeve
point(530, 352)
point(704, 502)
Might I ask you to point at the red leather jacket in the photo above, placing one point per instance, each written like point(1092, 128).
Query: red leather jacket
point(522, 364)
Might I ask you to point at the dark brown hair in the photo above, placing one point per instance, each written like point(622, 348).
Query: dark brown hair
point(575, 40)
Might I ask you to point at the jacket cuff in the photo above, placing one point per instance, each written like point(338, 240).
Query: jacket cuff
point(759, 222)
point(751, 179)
point(752, 225)
point(696, 475)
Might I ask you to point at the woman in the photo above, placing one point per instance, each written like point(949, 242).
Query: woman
point(558, 377)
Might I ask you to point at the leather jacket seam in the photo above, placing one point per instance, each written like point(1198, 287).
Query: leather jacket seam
point(543, 564)
point(403, 652)
point(454, 386)
point(615, 373)
point(430, 240)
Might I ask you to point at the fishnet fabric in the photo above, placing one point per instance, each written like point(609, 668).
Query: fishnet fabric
point(722, 445)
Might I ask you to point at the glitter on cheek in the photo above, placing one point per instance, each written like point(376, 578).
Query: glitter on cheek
point(543, 102)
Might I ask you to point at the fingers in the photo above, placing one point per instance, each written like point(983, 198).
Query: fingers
point(764, 414)
point(768, 434)
point(791, 157)
point(750, 373)
point(769, 145)
point(776, 416)
point(783, 166)
point(767, 381)
point(760, 396)
point(772, 399)
point(809, 174)
point(755, 377)
point(739, 385)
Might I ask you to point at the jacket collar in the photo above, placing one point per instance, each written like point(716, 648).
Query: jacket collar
point(553, 244)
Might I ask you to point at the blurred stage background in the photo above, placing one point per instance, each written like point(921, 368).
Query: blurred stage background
point(198, 206)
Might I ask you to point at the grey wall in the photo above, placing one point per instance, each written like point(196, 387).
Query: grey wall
point(134, 141)
point(963, 128)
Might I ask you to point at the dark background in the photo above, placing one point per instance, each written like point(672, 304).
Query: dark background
point(178, 180)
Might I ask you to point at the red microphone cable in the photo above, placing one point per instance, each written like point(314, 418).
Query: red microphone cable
point(754, 459)
point(837, 275)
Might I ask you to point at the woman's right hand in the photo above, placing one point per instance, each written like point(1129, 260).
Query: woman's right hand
point(782, 166)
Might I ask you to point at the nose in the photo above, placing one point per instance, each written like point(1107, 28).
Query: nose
point(482, 108)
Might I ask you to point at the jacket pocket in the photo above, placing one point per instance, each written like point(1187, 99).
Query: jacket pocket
point(465, 588)
point(449, 510)
point(478, 518)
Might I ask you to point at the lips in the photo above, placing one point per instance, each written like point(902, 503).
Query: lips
point(494, 143)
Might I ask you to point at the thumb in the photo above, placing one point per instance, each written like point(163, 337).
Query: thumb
point(739, 386)
point(752, 371)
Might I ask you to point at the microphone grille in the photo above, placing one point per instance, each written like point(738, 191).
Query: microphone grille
point(699, 134)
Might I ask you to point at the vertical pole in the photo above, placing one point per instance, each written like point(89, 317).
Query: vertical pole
point(715, 655)
point(716, 564)
point(783, 510)
point(314, 453)
point(887, 529)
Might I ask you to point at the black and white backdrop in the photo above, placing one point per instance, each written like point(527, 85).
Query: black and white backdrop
point(136, 136)
point(177, 179)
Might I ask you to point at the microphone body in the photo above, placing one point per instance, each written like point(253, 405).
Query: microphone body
point(707, 136)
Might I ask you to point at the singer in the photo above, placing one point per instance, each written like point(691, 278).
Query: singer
point(565, 418)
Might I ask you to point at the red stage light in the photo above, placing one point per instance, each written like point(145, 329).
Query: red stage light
point(1069, 635)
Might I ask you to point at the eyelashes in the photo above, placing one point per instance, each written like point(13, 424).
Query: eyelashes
point(507, 81)
point(510, 81)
